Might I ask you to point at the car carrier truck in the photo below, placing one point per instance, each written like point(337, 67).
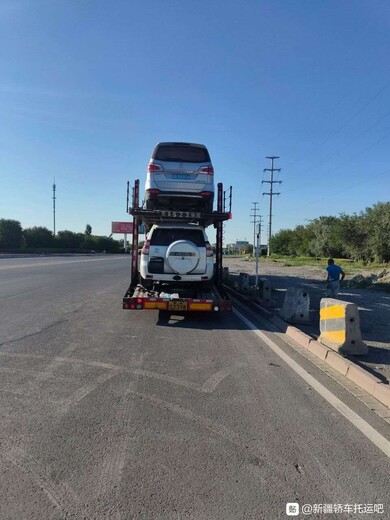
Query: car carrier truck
point(173, 295)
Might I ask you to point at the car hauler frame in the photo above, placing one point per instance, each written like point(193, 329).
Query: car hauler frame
point(171, 297)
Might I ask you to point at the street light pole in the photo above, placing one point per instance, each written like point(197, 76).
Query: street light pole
point(54, 207)
point(255, 220)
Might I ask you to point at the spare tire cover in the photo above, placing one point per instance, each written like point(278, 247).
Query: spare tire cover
point(182, 256)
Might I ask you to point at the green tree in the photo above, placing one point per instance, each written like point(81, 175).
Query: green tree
point(88, 230)
point(354, 235)
point(292, 242)
point(378, 226)
point(69, 239)
point(38, 237)
point(302, 240)
point(89, 243)
point(326, 239)
point(107, 244)
point(364, 236)
point(11, 235)
point(282, 242)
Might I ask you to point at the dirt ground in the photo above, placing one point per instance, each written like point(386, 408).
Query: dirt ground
point(374, 305)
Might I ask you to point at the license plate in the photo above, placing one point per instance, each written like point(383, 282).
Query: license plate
point(177, 306)
point(184, 176)
point(180, 214)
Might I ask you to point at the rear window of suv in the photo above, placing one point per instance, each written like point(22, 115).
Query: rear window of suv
point(165, 237)
point(181, 153)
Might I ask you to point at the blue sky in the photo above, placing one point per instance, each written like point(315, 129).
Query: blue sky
point(88, 87)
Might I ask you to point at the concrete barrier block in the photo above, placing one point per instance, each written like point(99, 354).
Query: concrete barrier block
point(296, 305)
point(243, 281)
point(319, 350)
point(264, 289)
point(340, 327)
point(362, 378)
point(382, 394)
point(337, 362)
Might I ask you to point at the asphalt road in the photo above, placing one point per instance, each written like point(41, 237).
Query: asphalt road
point(106, 413)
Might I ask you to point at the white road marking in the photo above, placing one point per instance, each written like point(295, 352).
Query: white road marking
point(85, 390)
point(373, 435)
point(208, 387)
point(44, 264)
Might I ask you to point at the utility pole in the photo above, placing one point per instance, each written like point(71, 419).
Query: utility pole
point(271, 193)
point(54, 207)
point(255, 220)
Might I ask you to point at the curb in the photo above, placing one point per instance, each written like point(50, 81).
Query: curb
point(363, 379)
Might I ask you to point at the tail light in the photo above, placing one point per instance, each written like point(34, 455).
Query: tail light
point(209, 249)
point(207, 194)
point(209, 170)
point(145, 249)
point(155, 168)
point(153, 192)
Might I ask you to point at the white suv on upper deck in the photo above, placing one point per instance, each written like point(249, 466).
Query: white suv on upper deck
point(179, 253)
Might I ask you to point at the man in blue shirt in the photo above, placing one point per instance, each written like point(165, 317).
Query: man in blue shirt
point(335, 275)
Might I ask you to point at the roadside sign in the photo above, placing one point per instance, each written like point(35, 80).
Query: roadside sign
point(122, 227)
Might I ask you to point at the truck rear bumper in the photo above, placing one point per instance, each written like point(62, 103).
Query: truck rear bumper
point(138, 299)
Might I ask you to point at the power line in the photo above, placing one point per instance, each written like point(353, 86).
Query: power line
point(346, 123)
point(271, 194)
point(355, 115)
point(351, 141)
point(349, 186)
point(340, 165)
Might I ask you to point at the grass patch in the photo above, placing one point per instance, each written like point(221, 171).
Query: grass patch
point(348, 265)
point(291, 261)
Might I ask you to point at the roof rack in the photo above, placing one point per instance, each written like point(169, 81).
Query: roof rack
point(150, 217)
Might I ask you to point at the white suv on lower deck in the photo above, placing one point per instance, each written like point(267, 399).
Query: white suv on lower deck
point(178, 253)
